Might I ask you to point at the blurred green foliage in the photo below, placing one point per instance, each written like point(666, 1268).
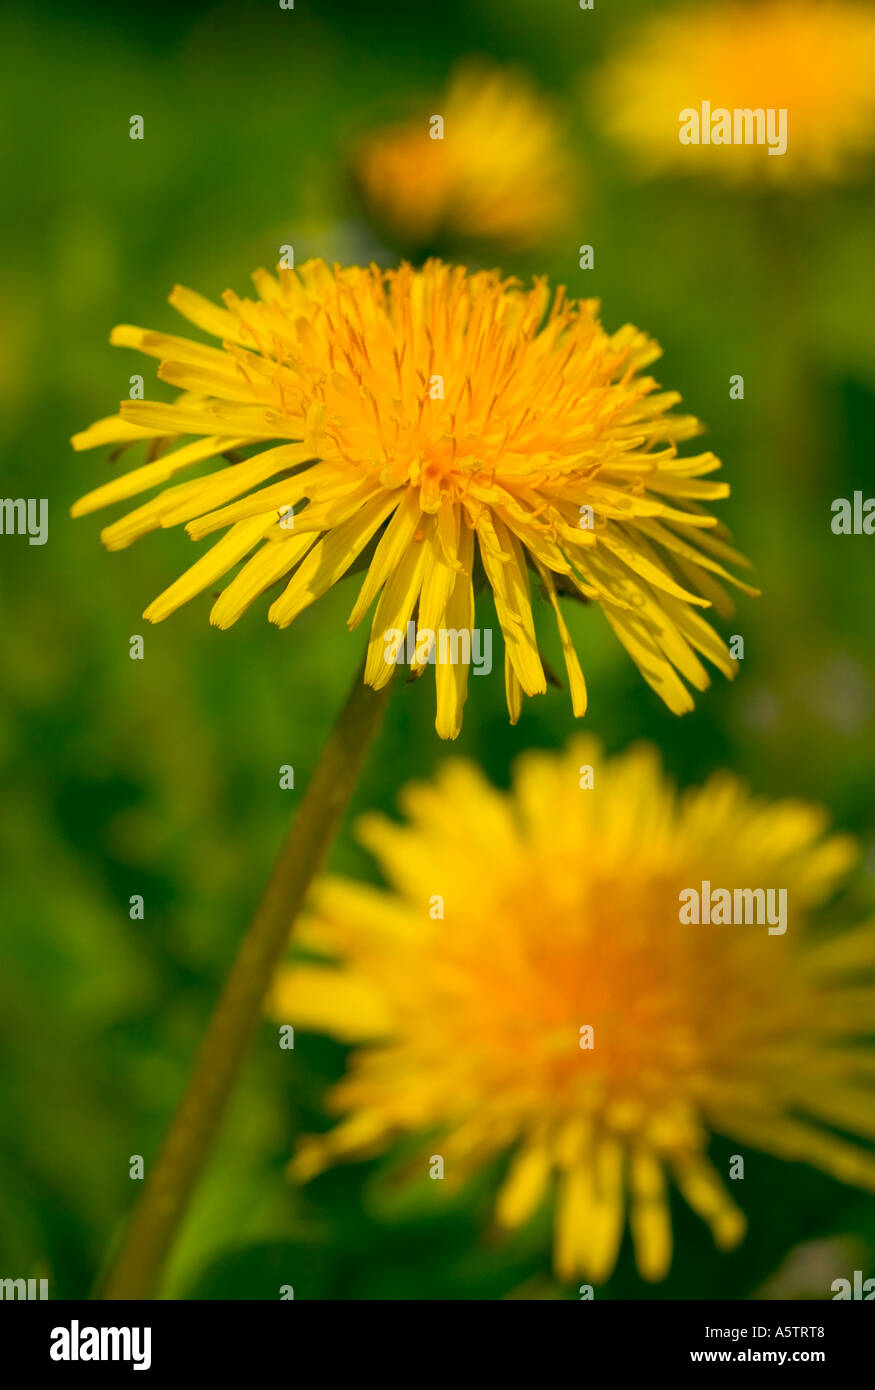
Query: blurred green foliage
point(160, 777)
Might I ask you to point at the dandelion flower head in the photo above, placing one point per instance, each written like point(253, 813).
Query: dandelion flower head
point(559, 912)
point(495, 171)
point(814, 60)
point(434, 430)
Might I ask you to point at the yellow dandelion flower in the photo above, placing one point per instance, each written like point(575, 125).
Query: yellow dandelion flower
point(400, 417)
point(815, 61)
point(551, 1007)
point(495, 171)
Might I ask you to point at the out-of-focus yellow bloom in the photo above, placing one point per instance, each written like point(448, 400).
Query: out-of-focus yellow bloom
point(815, 60)
point(500, 175)
point(401, 417)
point(561, 913)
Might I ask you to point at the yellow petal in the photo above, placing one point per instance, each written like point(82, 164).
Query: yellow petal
point(270, 563)
point(649, 1215)
point(207, 316)
point(391, 548)
point(329, 559)
point(210, 567)
point(524, 1186)
point(394, 608)
point(451, 678)
point(140, 479)
point(112, 429)
point(703, 1190)
point(337, 1002)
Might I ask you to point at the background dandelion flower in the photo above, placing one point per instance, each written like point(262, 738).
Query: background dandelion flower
point(398, 418)
point(499, 174)
point(814, 60)
point(561, 911)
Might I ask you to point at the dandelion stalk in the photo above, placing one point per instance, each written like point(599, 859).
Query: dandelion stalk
point(137, 1268)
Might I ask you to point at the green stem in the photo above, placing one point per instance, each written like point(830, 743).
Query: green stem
point(136, 1269)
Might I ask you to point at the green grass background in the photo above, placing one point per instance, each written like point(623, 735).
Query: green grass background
point(160, 777)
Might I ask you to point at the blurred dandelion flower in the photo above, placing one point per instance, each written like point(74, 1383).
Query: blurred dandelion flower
point(499, 174)
point(561, 912)
point(417, 412)
point(814, 60)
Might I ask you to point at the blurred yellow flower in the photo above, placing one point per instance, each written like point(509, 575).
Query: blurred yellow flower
point(495, 172)
point(416, 411)
point(557, 914)
point(816, 61)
